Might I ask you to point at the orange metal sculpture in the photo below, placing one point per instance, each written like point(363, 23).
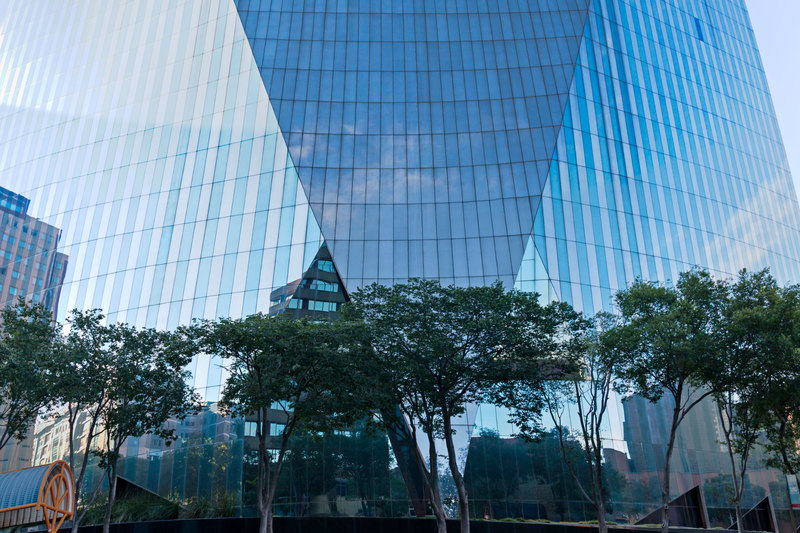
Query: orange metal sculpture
point(53, 503)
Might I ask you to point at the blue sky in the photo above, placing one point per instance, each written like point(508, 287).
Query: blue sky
point(778, 36)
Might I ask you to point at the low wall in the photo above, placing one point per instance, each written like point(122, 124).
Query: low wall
point(355, 525)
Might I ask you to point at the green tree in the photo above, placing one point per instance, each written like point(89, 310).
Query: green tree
point(28, 345)
point(147, 387)
point(772, 325)
point(309, 372)
point(666, 345)
point(764, 328)
point(439, 348)
point(739, 378)
point(85, 351)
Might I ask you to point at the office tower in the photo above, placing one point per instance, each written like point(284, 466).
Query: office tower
point(30, 265)
point(202, 159)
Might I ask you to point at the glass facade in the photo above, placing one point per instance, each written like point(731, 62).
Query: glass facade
point(227, 157)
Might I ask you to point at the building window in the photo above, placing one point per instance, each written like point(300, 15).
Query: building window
point(326, 266)
point(319, 285)
point(322, 306)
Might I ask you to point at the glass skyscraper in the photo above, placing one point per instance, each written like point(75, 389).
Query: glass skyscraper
point(220, 158)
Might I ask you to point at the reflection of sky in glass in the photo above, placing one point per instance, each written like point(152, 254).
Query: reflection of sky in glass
point(162, 161)
point(421, 135)
point(493, 418)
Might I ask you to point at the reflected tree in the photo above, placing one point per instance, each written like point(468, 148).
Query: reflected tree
point(583, 394)
point(518, 477)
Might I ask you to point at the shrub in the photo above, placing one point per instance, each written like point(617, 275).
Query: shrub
point(146, 507)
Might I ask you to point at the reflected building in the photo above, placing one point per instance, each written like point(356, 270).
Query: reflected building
point(30, 265)
point(229, 157)
point(30, 268)
point(699, 455)
point(50, 437)
point(318, 295)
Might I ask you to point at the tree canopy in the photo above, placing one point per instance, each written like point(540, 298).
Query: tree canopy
point(667, 344)
point(440, 348)
point(147, 385)
point(28, 350)
point(415, 355)
point(296, 375)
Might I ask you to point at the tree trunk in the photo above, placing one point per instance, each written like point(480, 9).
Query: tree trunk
point(665, 495)
point(265, 524)
point(76, 521)
point(71, 437)
point(433, 485)
point(112, 489)
point(602, 527)
point(463, 502)
point(600, 491)
point(665, 486)
point(264, 477)
point(739, 517)
point(596, 442)
point(264, 511)
point(726, 429)
point(438, 510)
